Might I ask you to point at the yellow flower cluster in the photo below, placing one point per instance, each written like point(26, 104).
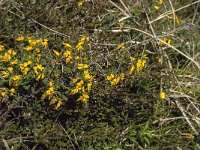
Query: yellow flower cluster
point(32, 43)
point(20, 38)
point(49, 92)
point(140, 64)
point(6, 57)
point(82, 66)
point(67, 53)
point(79, 46)
point(38, 71)
point(121, 46)
point(58, 104)
point(80, 88)
point(83, 86)
point(167, 40)
point(5, 74)
point(14, 81)
point(114, 80)
point(25, 67)
point(172, 18)
point(4, 92)
point(14, 62)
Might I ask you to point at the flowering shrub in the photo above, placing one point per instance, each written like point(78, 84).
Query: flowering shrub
point(33, 60)
point(98, 74)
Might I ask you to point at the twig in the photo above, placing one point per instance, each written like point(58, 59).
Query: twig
point(185, 116)
point(160, 40)
point(196, 11)
point(61, 34)
point(174, 15)
point(170, 12)
point(68, 136)
point(6, 144)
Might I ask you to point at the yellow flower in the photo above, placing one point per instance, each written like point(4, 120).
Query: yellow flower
point(38, 57)
point(28, 48)
point(2, 94)
point(20, 38)
point(132, 70)
point(56, 53)
point(37, 50)
point(121, 46)
point(51, 89)
point(115, 81)
point(77, 58)
point(87, 74)
point(67, 46)
point(5, 58)
point(10, 69)
point(32, 42)
point(87, 39)
point(25, 71)
point(17, 77)
point(40, 77)
point(68, 60)
point(40, 67)
point(167, 40)
point(89, 86)
point(82, 66)
point(11, 52)
point(58, 105)
point(79, 47)
point(110, 77)
point(172, 18)
point(84, 98)
point(4, 74)
point(50, 84)
point(14, 81)
point(45, 43)
point(190, 136)
point(160, 2)
point(48, 92)
point(122, 76)
point(156, 7)
point(12, 91)
point(75, 79)
point(74, 91)
point(44, 95)
point(80, 3)
point(1, 48)
point(14, 62)
point(140, 65)
point(177, 20)
point(67, 53)
point(162, 95)
point(80, 83)
point(29, 62)
point(53, 101)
